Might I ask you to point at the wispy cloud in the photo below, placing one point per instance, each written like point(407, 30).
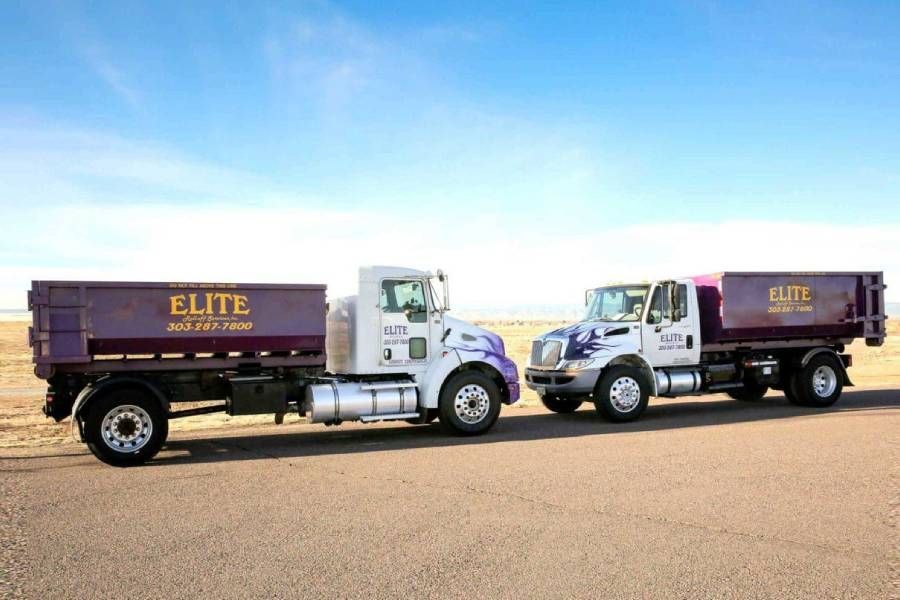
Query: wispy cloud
point(91, 48)
point(52, 165)
point(334, 60)
point(98, 60)
point(386, 100)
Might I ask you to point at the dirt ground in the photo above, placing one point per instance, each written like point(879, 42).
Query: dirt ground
point(22, 424)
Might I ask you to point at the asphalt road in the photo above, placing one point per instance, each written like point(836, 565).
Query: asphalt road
point(700, 498)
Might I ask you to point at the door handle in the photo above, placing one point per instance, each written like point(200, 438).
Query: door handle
point(690, 342)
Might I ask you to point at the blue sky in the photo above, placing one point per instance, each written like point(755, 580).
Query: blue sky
point(504, 142)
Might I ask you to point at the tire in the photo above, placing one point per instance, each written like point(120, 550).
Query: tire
point(469, 403)
point(748, 393)
point(125, 427)
point(790, 390)
point(430, 415)
point(819, 384)
point(621, 394)
point(561, 405)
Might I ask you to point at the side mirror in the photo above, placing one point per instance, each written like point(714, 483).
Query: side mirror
point(588, 296)
point(445, 285)
point(674, 313)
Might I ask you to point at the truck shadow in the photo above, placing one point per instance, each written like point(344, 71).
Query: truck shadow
point(678, 414)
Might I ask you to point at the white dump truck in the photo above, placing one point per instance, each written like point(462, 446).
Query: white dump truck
point(120, 356)
point(737, 333)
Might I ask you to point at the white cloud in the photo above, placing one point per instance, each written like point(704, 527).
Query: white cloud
point(333, 59)
point(492, 265)
point(46, 163)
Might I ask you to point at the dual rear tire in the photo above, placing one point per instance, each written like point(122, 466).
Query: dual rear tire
point(819, 384)
point(748, 393)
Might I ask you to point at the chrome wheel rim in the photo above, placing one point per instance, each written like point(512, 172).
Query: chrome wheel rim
point(625, 394)
point(824, 381)
point(472, 403)
point(126, 428)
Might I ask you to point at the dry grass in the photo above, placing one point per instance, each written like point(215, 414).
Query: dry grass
point(21, 393)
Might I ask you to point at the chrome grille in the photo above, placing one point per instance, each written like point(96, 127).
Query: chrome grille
point(545, 353)
point(536, 349)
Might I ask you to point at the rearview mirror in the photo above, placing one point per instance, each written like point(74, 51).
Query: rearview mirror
point(673, 303)
point(445, 285)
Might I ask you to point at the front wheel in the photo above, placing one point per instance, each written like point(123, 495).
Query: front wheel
point(469, 403)
point(561, 405)
point(125, 427)
point(621, 394)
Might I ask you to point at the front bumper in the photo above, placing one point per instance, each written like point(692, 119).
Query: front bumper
point(568, 382)
point(513, 387)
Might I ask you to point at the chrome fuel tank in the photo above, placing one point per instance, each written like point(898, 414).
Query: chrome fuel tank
point(350, 401)
point(678, 382)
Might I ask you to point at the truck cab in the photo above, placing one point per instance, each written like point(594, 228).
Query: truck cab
point(395, 353)
point(641, 326)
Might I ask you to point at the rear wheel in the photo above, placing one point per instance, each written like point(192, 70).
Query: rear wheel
point(125, 427)
point(469, 403)
point(561, 405)
point(790, 390)
point(819, 383)
point(748, 393)
point(621, 394)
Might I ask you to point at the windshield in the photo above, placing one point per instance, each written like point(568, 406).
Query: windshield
point(616, 303)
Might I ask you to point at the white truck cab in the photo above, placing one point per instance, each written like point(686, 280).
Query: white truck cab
point(640, 328)
point(394, 353)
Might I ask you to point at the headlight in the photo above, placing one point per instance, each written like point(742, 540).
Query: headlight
point(578, 364)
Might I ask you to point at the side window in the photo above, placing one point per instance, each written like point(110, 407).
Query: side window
point(418, 347)
point(408, 297)
point(681, 300)
point(659, 305)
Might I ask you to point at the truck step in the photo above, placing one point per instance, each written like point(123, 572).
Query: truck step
point(724, 386)
point(373, 418)
point(388, 385)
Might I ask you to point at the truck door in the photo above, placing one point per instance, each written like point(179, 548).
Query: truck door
point(404, 329)
point(669, 337)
